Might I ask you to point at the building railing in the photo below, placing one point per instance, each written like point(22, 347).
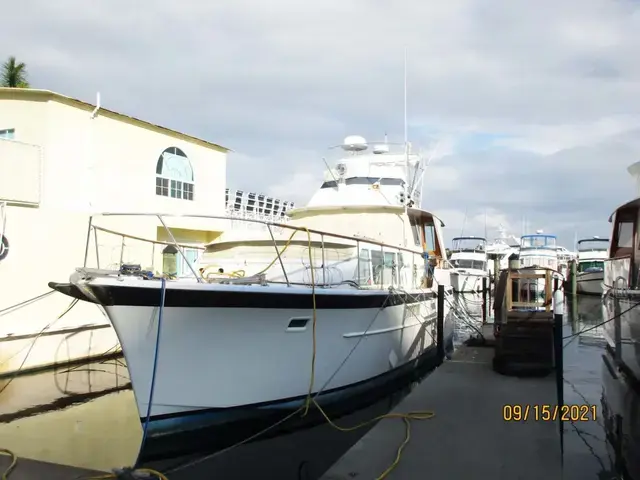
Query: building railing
point(335, 259)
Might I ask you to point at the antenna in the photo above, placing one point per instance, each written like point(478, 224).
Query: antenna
point(406, 135)
point(485, 223)
point(464, 221)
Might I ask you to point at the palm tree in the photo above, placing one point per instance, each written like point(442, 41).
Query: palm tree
point(14, 74)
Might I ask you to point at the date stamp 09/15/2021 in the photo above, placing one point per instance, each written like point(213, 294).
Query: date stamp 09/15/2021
point(549, 413)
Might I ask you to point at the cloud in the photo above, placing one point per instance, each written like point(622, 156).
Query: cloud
point(534, 105)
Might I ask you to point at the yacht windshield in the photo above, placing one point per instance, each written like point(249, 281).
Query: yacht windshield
point(591, 266)
point(464, 263)
point(469, 244)
point(538, 241)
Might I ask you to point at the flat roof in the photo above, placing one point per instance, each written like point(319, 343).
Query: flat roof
point(46, 95)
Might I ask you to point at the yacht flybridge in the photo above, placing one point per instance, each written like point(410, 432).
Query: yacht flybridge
point(235, 343)
point(502, 247)
point(539, 253)
point(469, 259)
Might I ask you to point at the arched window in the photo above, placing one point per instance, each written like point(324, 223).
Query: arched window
point(174, 175)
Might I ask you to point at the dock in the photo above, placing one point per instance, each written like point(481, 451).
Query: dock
point(28, 469)
point(473, 434)
point(468, 436)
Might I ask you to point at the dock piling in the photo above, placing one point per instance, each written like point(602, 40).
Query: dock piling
point(484, 300)
point(558, 315)
point(440, 325)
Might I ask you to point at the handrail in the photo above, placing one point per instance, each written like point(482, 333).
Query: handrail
point(356, 240)
point(148, 240)
point(280, 225)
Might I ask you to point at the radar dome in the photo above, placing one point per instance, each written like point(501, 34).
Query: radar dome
point(378, 149)
point(354, 143)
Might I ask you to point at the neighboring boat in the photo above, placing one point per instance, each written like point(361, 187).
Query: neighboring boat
point(502, 247)
point(469, 261)
point(273, 318)
point(592, 252)
point(565, 256)
point(539, 253)
point(621, 311)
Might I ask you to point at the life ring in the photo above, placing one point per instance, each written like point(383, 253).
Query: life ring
point(4, 247)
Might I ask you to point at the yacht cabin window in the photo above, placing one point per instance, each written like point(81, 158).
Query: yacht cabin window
point(465, 263)
point(622, 242)
point(424, 228)
point(415, 229)
point(591, 266)
point(380, 268)
point(430, 237)
point(8, 133)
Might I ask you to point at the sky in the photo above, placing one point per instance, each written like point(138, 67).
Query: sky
point(526, 109)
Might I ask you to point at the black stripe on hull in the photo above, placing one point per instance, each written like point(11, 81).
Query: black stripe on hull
point(210, 439)
point(297, 298)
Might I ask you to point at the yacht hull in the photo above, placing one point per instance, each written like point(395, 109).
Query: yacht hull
point(589, 283)
point(467, 281)
point(231, 361)
point(621, 381)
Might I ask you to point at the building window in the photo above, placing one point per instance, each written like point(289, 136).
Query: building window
point(174, 175)
point(8, 133)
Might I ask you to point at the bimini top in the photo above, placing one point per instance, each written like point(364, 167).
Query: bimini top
point(470, 237)
point(593, 239)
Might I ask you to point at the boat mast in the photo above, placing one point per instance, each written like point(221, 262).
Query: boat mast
point(406, 137)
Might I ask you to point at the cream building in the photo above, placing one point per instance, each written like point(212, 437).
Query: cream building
point(62, 160)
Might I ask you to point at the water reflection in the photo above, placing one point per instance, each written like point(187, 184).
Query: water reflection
point(586, 454)
point(86, 415)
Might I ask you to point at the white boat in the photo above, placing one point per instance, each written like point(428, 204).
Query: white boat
point(621, 358)
point(565, 256)
point(342, 310)
point(539, 253)
point(502, 247)
point(469, 261)
point(592, 252)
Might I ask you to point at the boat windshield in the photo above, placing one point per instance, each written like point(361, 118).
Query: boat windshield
point(465, 263)
point(469, 244)
point(538, 241)
point(591, 266)
point(593, 245)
